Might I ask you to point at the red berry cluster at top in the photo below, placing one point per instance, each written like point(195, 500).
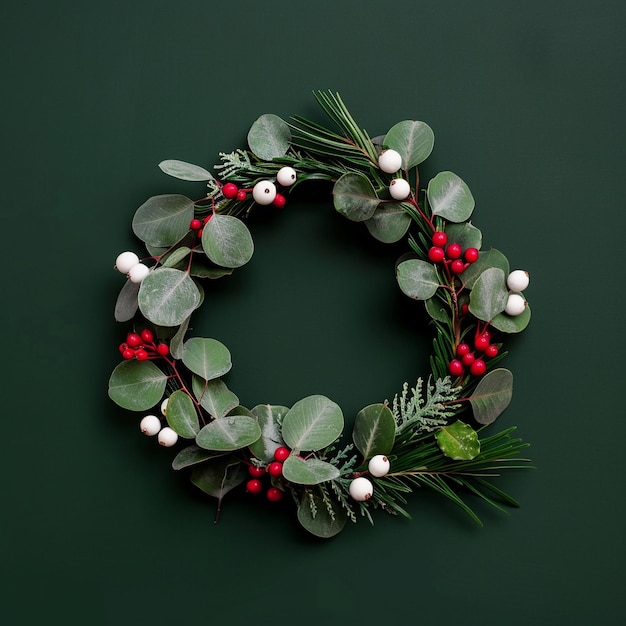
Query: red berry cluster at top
point(451, 254)
point(141, 346)
point(473, 360)
point(274, 470)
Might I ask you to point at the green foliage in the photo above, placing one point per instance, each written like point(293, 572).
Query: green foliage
point(459, 441)
point(413, 140)
point(269, 137)
point(163, 220)
point(229, 433)
point(492, 395)
point(227, 241)
point(185, 171)
point(309, 471)
point(389, 223)
point(354, 197)
point(449, 197)
point(182, 416)
point(417, 279)
point(374, 430)
point(489, 295)
point(137, 385)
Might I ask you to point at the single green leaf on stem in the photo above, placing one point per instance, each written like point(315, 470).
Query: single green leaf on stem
point(492, 395)
point(389, 223)
point(465, 234)
point(413, 140)
point(175, 257)
point(312, 423)
point(323, 523)
point(178, 339)
point(512, 323)
point(459, 441)
point(449, 197)
point(437, 309)
point(417, 279)
point(270, 418)
point(229, 433)
point(310, 472)
point(163, 220)
point(487, 259)
point(269, 137)
point(227, 241)
point(208, 358)
point(137, 385)
point(214, 396)
point(127, 303)
point(489, 294)
point(193, 455)
point(374, 430)
point(182, 416)
point(354, 197)
point(185, 171)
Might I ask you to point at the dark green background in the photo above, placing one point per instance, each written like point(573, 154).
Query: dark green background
point(527, 103)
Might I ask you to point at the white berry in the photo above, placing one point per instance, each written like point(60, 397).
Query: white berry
point(150, 425)
point(518, 280)
point(125, 261)
point(286, 176)
point(399, 189)
point(264, 192)
point(167, 437)
point(138, 272)
point(379, 465)
point(390, 161)
point(361, 489)
point(515, 304)
point(164, 406)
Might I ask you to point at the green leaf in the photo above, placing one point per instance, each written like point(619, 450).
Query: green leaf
point(492, 395)
point(193, 455)
point(137, 385)
point(413, 140)
point(182, 416)
point(310, 472)
point(324, 523)
point(512, 324)
point(214, 396)
point(437, 309)
point(489, 295)
point(219, 476)
point(178, 339)
point(163, 220)
point(374, 430)
point(208, 358)
point(354, 197)
point(270, 418)
point(227, 241)
point(449, 197)
point(417, 279)
point(126, 304)
point(167, 297)
point(465, 234)
point(459, 441)
point(175, 257)
point(312, 423)
point(185, 171)
point(228, 433)
point(487, 259)
point(389, 223)
point(269, 137)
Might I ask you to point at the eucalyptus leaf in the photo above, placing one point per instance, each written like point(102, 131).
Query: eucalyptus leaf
point(269, 418)
point(193, 455)
point(512, 323)
point(449, 197)
point(324, 523)
point(417, 279)
point(465, 234)
point(413, 140)
point(492, 395)
point(201, 268)
point(486, 259)
point(178, 339)
point(185, 171)
point(182, 416)
point(229, 433)
point(206, 357)
point(137, 385)
point(227, 241)
point(175, 257)
point(459, 441)
point(163, 220)
point(389, 223)
point(269, 137)
point(374, 430)
point(489, 294)
point(127, 304)
point(308, 472)
point(437, 309)
point(167, 297)
point(312, 423)
point(214, 396)
point(219, 476)
point(354, 197)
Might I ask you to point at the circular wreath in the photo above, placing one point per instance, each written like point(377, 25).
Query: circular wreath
point(430, 435)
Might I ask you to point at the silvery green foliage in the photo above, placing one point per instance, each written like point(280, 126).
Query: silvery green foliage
point(233, 161)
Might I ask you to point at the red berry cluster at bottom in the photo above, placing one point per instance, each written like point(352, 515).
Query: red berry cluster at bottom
point(473, 359)
point(273, 469)
point(141, 346)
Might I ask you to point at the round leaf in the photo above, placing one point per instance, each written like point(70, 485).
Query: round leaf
point(185, 171)
point(137, 385)
point(492, 395)
point(413, 140)
point(374, 430)
point(465, 234)
point(315, 516)
point(219, 476)
point(208, 358)
point(459, 441)
point(354, 197)
point(310, 472)
point(227, 241)
point(449, 197)
point(489, 295)
point(167, 297)
point(182, 416)
point(389, 223)
point(269, 418)
point(193, 455)
point(214, 396)
point(232, 432)
point(312, 423)
point(417, 279)
point(487, 259)
point(163, 220)
point(512, 324)
point(126, 304)
point(269, 137)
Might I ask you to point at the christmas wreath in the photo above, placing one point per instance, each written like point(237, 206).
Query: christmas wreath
point(431, 435)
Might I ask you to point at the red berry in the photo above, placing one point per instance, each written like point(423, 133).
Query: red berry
point(241, 195)
point(279, 201)
point(457, 266)
point(465, 308)
point(254, 485)
point(128, 354)
point(123, 347)
point(478, 367)
point(275, 469)
point(256, 472)
point(274, 494)
point(462, 348)
point(147, 335)
point(133, 340)
point(491, 351)
point(471, 255)
point(207, 218)
point(436, 254)
point(230, 190)
point(481, 342)
point(163, 349)
point(281, 454)
point(468, 358)
point(200, 233)
point(455, 367)
point(439, 238)
point(141, 355)
point(453, 251)
point(195, 224)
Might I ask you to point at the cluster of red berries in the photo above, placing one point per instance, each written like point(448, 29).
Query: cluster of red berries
point(141, 346)
point(232, 192)
point(197, 224)
point(452, 254)
point(273, 469)
point(473, 359)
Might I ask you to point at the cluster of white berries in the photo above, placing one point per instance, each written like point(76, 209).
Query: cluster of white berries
point(390, 162)
point(151, 425)
point(264, 192)
point(128, 263)
point(516, 281)
point(361, 488)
